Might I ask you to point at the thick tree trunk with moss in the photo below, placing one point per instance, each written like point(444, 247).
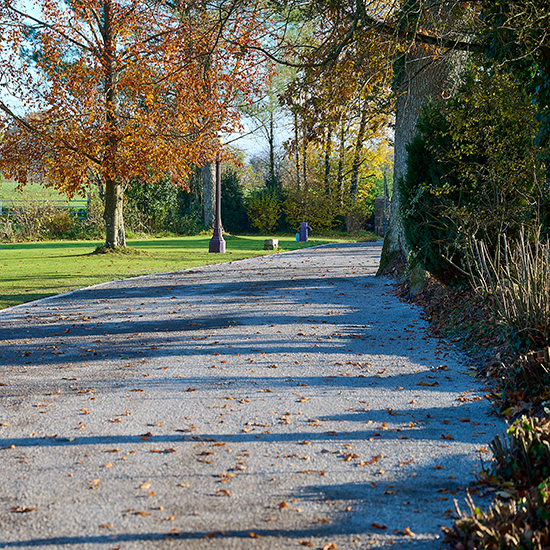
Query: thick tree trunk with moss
point(424, 77)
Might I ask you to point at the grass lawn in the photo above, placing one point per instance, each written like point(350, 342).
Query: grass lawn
point(29, 271)
point(34, 192)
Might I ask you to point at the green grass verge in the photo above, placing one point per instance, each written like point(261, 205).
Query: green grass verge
point(29, 271)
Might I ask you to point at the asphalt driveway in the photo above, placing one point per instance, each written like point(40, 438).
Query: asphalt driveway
point(281, 402)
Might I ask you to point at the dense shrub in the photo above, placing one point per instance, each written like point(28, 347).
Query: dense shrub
point(264, 208)
point(521, 524)
point(522, 460)
point(151, 205)
point(473, 172)
point(188, 219)
point(234, 215)
point(427, 192)
point(521, 470)
point(312, 205)
point(29, 221)
point(61, 222)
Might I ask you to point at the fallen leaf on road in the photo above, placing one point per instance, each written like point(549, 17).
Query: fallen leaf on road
point(379, 526)
point(407, 532)
point(305, 543)
point(349, 457)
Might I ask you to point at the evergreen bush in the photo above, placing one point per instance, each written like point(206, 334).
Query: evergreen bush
point(427, 191)
point(234, 215)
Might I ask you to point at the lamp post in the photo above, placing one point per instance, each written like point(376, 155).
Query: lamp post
point(217, 243)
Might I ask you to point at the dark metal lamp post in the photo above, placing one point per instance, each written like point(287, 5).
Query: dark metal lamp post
point(217, 243)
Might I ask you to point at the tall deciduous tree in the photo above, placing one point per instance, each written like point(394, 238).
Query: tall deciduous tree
point(112, 90)
point(421, 40)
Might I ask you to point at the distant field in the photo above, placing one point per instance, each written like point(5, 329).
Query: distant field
point(34, 192)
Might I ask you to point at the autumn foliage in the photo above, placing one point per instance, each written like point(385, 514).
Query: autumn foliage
point(106, 91)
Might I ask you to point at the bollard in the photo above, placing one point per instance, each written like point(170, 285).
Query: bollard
point(303, 231)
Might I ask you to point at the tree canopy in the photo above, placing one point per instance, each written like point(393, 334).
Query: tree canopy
point(110, 91)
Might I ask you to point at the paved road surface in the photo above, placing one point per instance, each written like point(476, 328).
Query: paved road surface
point(282, 402)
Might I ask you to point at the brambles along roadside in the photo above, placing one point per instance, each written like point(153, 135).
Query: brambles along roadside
point(505, 326)
point(519, 474)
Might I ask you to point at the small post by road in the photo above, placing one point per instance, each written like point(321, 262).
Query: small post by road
point(217, 243)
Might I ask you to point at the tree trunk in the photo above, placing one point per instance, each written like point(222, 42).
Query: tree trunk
point(424, 77)
point(113, 215)
point(328, 152)
point(341, 160)
point(357, 153)
point(208, 176)
point(304, 158)
point(271, 140)
point(114, 196)
point(297, 151)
